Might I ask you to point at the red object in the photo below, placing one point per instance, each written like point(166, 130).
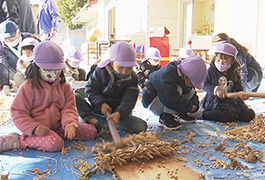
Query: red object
point(162, 44)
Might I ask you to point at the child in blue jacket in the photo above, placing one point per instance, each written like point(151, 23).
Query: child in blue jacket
point(112, 87)
point(170, 91)
point(224, 76)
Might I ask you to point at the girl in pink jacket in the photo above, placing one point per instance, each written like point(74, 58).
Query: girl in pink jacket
point(44, 108)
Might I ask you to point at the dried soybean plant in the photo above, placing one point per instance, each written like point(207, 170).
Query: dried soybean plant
point(255, 131)
point(5, 103)
point(137, 147)
point(242, 151)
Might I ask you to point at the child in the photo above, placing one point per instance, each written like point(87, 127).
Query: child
point(75, 75)
point(113, 87)
point(224, 76)
point(44, 108)
point(27, 47)
point(184, 53)
point(150, 64)
point(170, 91)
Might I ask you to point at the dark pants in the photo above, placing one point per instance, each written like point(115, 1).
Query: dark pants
point(245, 115)
point(129, 124)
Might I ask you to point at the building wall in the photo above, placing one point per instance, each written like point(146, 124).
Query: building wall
point(134, 17)
point(242, 20)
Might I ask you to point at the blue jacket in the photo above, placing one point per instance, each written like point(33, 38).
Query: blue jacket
point(8, 58)
point(211, 81)
point(104, 87)
point(48, 17)
point(248, 63)
point(163, 83)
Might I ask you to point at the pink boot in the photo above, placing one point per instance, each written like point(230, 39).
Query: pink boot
point(9, 142)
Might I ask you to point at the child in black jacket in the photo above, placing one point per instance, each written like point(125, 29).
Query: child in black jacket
point(150, 64)
point(113, 87)
point(170, 91)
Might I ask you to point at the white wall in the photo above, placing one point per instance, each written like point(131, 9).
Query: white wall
point(260, 53)
point(238, 19)
point(165, 13)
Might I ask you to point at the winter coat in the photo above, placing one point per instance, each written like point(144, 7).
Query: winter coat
point(248, 64)
point(104, 87)
point(211, 102)
point(9, 10)
point(9, 58)
point(144, 70)
point(71, 76)
point(163, 83)
point(48, 17)
point(211, 81)
point(53, 106)
point(26, 19)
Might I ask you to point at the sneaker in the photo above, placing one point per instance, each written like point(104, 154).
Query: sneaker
point(9, 142)
point(103, 130)
point(169, 123)
point(184, 118)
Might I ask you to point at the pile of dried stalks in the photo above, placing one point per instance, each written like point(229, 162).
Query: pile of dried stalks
point(141, 147)
point(255, 131)
point(5, 103)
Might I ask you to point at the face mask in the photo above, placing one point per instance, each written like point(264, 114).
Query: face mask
point(13, 43)
point(120, 76)
point(49, 75)
point(220, 67)
point(154, 63)
point(28, 59)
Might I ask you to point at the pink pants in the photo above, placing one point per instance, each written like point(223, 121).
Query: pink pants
point(54, 141)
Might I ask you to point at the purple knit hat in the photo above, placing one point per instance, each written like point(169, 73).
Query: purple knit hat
point(49, 56)
point(226, 48)
point(122, 53)
point(194, 67)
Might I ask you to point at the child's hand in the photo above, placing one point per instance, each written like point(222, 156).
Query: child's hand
point(194, 107)
point(104, 108)
point(41, 130)
point(69, 131)
point(243, 96)
point(220, 93)
point(115, 117)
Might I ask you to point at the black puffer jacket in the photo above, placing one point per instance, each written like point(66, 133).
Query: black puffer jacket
point(143, 71)
point(163, 83)
point(104, 87)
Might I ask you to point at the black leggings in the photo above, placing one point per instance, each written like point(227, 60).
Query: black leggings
point(245, 115)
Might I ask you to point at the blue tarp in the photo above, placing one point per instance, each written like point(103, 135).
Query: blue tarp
point(17, 163)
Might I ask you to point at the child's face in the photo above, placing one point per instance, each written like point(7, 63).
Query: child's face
point(154, 62)
point(27, 52)
point(121, 69)
point(188, 81)
point(224, 59)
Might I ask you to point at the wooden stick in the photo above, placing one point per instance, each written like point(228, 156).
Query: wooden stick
point(248, 94)
point(114, 133)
